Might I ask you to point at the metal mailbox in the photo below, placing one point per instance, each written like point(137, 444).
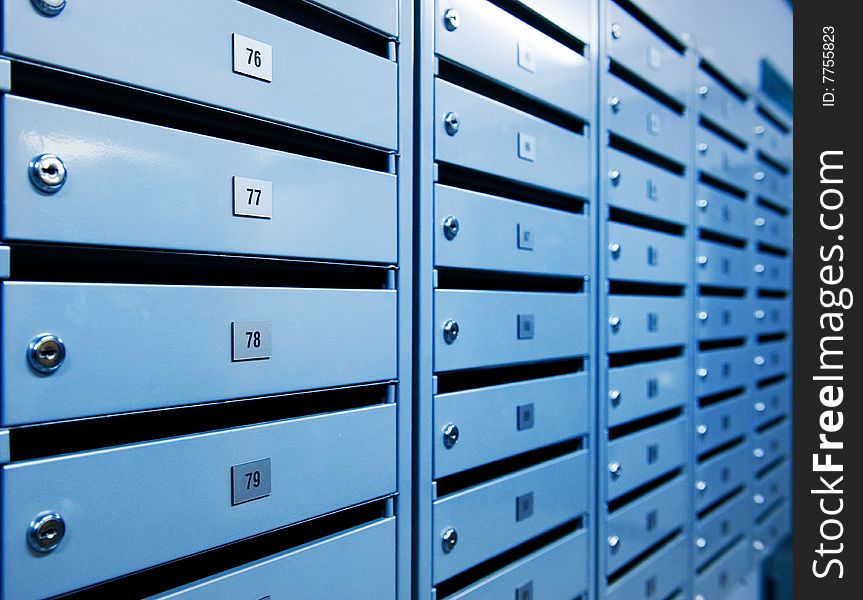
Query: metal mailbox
point(770, 532)
point(638, 390)
point(719, 370)
point(771, 445)
point(360, 563)
point(720, 264)
point(722, 159)
point(637, 254)
point(380, 14)
point(242, 341)
point(520, 57)
point(772, 315)
point(723, 106)
point(171, 487)
point(772, 184)
point(660, 576)
point(639, 186)
point(718, 529)
point(772, 272)
point(772, 359)
point(478, 231)
point(724, 575)
point(720, 211)
point(554, 492)
point(504, 420)
point(645, 522)
point(720, 423)
point(482, 134)
point(172, 40)
point(771, 402)
point(573, 16)
point(640, 457)
point(646, 322)
point(485, 328)
point(771, 487)
point(772, 140)
point(646, 54)
point(633, 114)
point(720, 317)
point(771, 227)
point(721, 474)
point(558, 571)
point(252, 200)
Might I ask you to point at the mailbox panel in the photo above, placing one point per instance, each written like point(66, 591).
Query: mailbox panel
point(646, 322)
point(720, 578)
point(636, 185)
point(718, 529)
point(719, 370)
point(772, 359)
point(771, 227)
point(771, 487)
point(721, 474)
point(637, 254)
point(720, 158)
point(719, 317)
point(722, 212)
point(769, 533)
point(719, 264)
point(640, 457)
point(773, 272)
point(348, 458)
point(720, 423)
point(772, 315)
point(771, 445)
point(723, 106)
point(638, 390)
point(176, 337)
point(772, 401)
point(660, 576)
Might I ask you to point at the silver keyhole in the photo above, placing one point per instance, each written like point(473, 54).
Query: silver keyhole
point(702, 90)
point(759, 130)
point(701, 485)
point(614, 396)
point(613, 541)
point(616, 31)
point(701, 372)
point(46, 532)
point(615, 249)
point(451, 123)
point(701, 203)
point(701, 542)
point(760, 222)
point(449, 540)
point(451, 19)
point(46, 353)
point(450, 435)
point(615, 323)
point(614, 103)
point(759, 176)
point(47, 173)
point(615, 469)
point(450, 331)
point(702, 315)
point(701, 429)
point(759, 314)
point(614, 175)
point(760, 407)
point(701, 260)
point(450, 227)
point(50, 8)
point(702, 148)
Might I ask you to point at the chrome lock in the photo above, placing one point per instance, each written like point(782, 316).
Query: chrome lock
point(614, 175)
point(615, 323)
point(615, 249)
point(702, 315)
point(449, 540)
point(616, 31)
point(450, 227)
point(46, 532)
point(700, 485)
point(759, 314)
point(615, 469)
point(758, 545)
point(702, 90)
point(451, 19)
point(450, 331)
point(760, 407)
point(702, 148)
point(614, 396)
point(614, 103)
point(701, 429)
point(47, 173)
point(758, 453)
point(701, 542)
point(701, 203)
point(613, 541)
point(50, 8)
point(451, 123)
point(760, 222)
point(701, 260)
point(758, 499)
point(450, 435)
point(759, 130)
point(46, 353)
point(701, 372)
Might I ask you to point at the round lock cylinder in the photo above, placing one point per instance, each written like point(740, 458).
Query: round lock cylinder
point(701, 429)
point(613, 541)
point(451, 19)
point(759, 130)
point(47, 173)
point(450, 435)
point(50, 8)
point(616, 31)
point(615, 469)
point(758, 453)
point(758, 499)
point(700, 485)
point(450, 331)
point(701, 372)
point(614, 396)
point(760, 222)
point(614, 103)
point(615, 249)
point(614, 175)
point(758, 545)
point(701, 203)
point(760, 407)
point(702, 148)
point(759, 314)
point(614, 323)
point(449, 540)
point(46, 532)
point(701, 261)
point(702, 315)
point(46, 353)
point(451, 123)
point(703, 90)
point(701, 542)
point(450, 227)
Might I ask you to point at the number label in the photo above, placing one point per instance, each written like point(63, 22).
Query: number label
point(250, 481)
point(253, 198)
point(251, 340)
point(252, 58)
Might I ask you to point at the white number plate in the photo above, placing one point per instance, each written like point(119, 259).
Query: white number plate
point(253, 198)
point(253, 58)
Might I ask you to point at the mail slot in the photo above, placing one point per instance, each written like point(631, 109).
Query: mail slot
point(645, 53)
point(482, 134)
point(496, 328)
point(720, 423)
point(380, 14)
point(242, 341)
point(637, 254)
point(771, 445)
point(720, 158)
point(520, 57)
point(478, 231)
point(720, 264)
point(723, 576)
point(645, 522)
point(772, 359)
point(772, 228)
point(129, 185)
point(504, 420)
point(772, 315)
point(723, 106)
point(351, 560)
point(771, 487)
point(719, 317)
point(636, 322)
point(184, 486)
point(770, 532)
point(635, 115)
point(659, 576)
point(721, 474)
point(554, 491)
point(573, 16)
point(720, 370)
point(639, 186)
point(638, 390)
point(772, 401)
point(721, 212)
point(640, 457)
point(172, 40)
point(773, 272)
point(558, 571)
point(719, 528)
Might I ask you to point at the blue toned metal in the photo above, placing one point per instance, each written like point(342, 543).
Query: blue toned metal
point(131, 507)
point(359, 563)
point(716, 531)
point(186, 50)
point(721, 423)
point(637, 185)
point(638, 254)
point(643, 322)
point(577, 17)
point(722, 106)
point(720, 370)
point(722, 474)
point(137, 185)
point(723, 576)
point(721, 317)
point(720, 158)
point(720, 264)
point(176, 337)
point(658, 576)
point(721, 212)
point(382, 15)
point(639, 390)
